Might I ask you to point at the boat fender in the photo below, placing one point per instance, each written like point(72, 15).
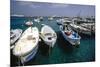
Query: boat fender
point(68, 33)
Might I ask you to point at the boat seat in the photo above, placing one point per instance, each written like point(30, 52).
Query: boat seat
point(30, 37)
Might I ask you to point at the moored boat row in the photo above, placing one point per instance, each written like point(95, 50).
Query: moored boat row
point(27, 45)
point(80, 29)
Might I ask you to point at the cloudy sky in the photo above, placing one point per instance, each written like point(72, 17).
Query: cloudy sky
point(50, 9)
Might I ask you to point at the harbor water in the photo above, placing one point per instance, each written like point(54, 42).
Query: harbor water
point(62, 52)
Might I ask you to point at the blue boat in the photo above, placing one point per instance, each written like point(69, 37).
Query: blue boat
point(71, 36)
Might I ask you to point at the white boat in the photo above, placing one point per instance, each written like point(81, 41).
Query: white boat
point(63, 21)
point(37, 20)
point(71, 36)
point(29, 23)
point(50, 18)
point(41, 18)
point(59, 21)
point(88, 25)
point(14, 36)
point(48, 35)
point(27, 45)
point(80, 29)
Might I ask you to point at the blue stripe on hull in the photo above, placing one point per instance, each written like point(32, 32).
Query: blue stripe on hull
point(31, 55)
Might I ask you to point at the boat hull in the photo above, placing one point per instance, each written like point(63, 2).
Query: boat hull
point(18, 33)
point(29, 56)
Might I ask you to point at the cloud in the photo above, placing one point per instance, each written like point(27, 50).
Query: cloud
point(30, 4)
point(23, 0)
point(34, 6)
point(59, 5)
